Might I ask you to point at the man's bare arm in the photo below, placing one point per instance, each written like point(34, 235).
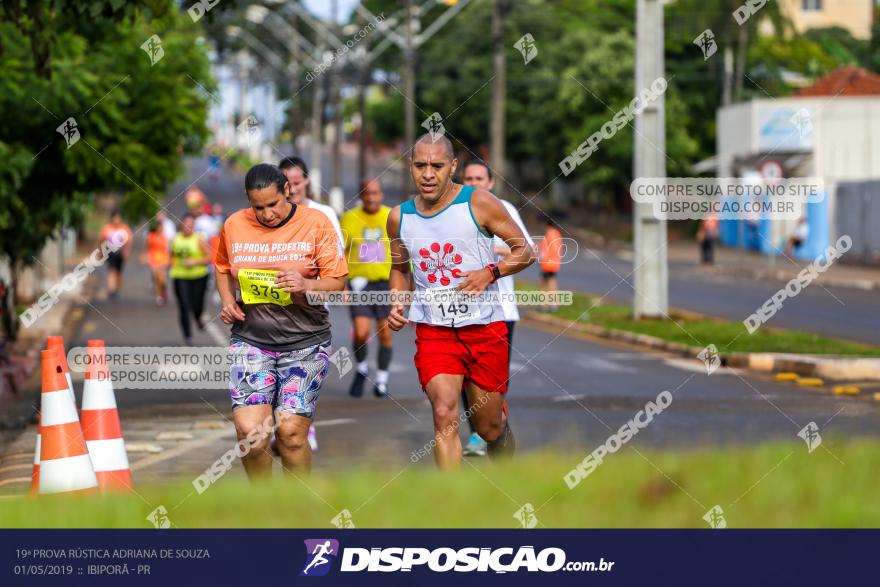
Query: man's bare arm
point(494, 218)
point(399, 281)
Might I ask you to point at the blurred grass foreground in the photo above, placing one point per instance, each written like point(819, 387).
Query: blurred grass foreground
point(772, 485)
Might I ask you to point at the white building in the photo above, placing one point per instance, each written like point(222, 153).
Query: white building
point(830, 130)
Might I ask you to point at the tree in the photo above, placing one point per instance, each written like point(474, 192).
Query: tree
point(133, 118)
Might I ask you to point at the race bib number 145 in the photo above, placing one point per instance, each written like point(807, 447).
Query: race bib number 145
point(258, 287)
point(446, 306)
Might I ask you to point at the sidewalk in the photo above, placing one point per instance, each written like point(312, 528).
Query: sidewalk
point(737, 262)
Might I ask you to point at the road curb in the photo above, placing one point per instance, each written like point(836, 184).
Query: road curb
point(809, 366)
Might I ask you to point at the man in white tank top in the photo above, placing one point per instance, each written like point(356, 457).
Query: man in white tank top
point(447, 230)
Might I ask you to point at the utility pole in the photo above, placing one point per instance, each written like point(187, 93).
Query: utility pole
point(727, 80)
point(317, 114)
point(409, 89)
point(336, 199)
point(293, 87)
point(499, 94)
point(651, 281)
point(363, 84)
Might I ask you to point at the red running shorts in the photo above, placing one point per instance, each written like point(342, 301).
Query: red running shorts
point(479, 352)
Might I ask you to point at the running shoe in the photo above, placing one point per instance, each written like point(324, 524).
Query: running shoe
point(476, 446)
point(380, 390)
point(357, 386)
point(313, 437)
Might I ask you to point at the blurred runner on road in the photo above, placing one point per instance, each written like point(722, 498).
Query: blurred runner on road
point(117, 233)
point(551, 258)
point(158, 258)
point(707, 235)
point(369, 265)
point(297, 173)
point(190, 256)
point(169, 229)
point(206, 223)
point(478, 175)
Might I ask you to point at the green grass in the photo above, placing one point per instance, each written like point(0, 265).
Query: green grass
point(772, 485)
point(727, 336)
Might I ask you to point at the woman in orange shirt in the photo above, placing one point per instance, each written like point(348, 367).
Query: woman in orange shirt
point(270, 255)
point(550, 250)
point(158, 258)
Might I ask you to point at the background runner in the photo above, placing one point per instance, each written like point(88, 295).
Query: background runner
point(369, 265)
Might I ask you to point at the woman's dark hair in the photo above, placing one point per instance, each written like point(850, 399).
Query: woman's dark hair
point(482, 164)
point(294, 161)
point(262, 176)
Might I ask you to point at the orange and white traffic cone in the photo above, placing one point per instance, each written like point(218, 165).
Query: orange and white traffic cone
point(65, 464)
point(57, 342)
point(35, 476)
point(52, 342)
point(100, 421)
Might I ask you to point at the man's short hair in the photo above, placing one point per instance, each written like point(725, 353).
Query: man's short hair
point(429, 138)
point(367, 180)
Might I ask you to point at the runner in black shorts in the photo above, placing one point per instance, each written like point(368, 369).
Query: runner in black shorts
point(369, 265)
point(118, 235)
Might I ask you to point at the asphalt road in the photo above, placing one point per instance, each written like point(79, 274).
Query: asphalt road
point(565, 391)
point(837, 312)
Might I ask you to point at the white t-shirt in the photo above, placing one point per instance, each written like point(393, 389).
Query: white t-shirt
point(506, 284)
point(206, 225)
point(169, 229)
point(334, 220)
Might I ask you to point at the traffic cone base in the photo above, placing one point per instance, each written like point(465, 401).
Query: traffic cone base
point(100, 420)
point(67, 474)
point(115, 480)
point(35, 476)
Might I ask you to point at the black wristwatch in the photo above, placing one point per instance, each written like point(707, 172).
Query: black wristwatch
point(496, 272)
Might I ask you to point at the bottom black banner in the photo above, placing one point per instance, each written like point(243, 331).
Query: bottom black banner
point(438, 557)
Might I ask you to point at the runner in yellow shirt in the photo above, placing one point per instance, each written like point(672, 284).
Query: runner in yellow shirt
point(369, 265)
point(190, 256)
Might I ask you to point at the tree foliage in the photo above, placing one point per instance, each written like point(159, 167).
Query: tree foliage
point(134, 119)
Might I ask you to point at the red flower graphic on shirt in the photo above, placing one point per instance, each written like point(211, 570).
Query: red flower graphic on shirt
point(441, 263)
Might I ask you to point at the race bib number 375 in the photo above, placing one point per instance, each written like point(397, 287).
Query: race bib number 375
point(258, 287)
